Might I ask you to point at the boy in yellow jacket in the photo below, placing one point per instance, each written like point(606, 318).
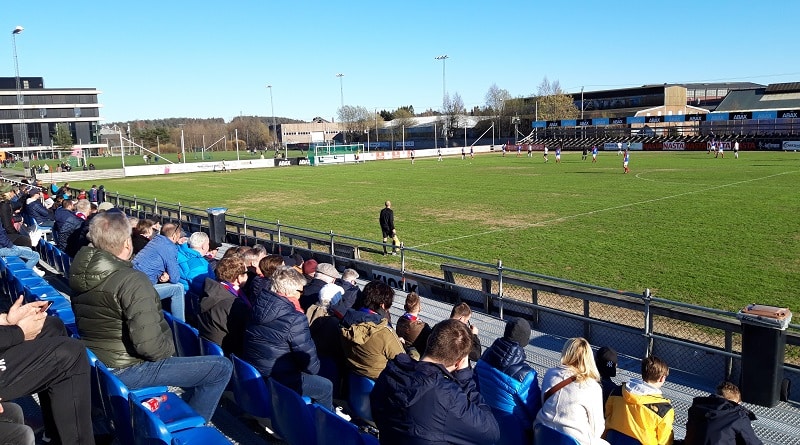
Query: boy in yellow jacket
point(639, 410)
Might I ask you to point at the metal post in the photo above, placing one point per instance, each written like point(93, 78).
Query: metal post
point(500, 286)
point(155, 206)
point(236, 133)
point(278, 225)
point(333, 249)
point(402, 261)
point(647, 328)
point(183, 149)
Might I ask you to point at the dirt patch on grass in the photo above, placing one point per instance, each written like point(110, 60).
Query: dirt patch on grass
point(483, 216)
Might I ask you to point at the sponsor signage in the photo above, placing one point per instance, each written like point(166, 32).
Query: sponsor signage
point(551, 124)
point(635, 120)
point(617, 121)
point(395, 281)
point(283, 163)
point(539, 124)
point(695, 117)
point(654, 119)
point(791, 145)
point(303, 161)
point(583, 123)
point(789, 114)
point(741, 116)
point(673, 118)
point(769, 145)
point(674, 146)
point(713, 117)
point(765, 114)
point(600, 121)
point(407, 143)
point(569, 123)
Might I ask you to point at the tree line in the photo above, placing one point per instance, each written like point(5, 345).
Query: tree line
point(508, 114)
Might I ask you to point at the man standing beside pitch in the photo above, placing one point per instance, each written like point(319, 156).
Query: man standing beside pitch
point(386, 220)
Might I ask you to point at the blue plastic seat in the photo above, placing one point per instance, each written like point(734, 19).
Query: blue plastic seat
point(291, 416)
point(249, 389)
point(22, 280)
point(64, 261)
point(208, 347)
point(170, 320)
point(150, 430)
point(546, 435)
point(614, 437)
point(174, 412)
point(332, 429)
point(187, 339)
point(360, 388)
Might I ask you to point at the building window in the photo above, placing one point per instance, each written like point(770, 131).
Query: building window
point(77, 112)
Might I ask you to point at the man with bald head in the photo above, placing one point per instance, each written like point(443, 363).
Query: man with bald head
point(386, 220)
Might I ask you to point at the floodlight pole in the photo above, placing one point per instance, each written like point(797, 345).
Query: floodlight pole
point(444, 58)
point(341, 89)
point(23, 130)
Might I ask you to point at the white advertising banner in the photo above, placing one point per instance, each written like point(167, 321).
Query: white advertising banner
point(192, 167)
point(791, 145)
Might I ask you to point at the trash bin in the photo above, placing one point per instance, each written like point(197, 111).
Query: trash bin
point(216, 224)
point(763, 350)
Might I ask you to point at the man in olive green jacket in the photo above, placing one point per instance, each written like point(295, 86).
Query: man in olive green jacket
point(118, 314)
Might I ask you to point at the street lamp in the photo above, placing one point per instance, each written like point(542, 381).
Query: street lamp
point(272, 107)
point(444, 58)
point(22, 129)
point(341, 89)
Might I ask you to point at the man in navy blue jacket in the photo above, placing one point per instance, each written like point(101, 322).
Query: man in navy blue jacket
point(720, 419)
point(433, 400)
point(278, 341)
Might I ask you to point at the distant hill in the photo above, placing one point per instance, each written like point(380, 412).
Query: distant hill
point(175, 122)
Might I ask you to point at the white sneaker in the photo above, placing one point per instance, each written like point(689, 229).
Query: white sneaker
point(38, 271)
point(340, 413)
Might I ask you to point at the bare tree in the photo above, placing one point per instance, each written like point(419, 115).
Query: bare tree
point(356, 119)
point(554, 104)
point(497, 105)
point(451, 117)
point(403, 118)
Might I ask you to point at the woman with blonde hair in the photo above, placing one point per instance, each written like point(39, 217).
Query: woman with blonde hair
point(572, 398)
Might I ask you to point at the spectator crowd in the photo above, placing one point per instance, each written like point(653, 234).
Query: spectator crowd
point(308, 326)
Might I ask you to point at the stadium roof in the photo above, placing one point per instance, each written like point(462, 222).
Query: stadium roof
point(783, 96)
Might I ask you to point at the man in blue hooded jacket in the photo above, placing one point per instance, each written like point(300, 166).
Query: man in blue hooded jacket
point(509, 384)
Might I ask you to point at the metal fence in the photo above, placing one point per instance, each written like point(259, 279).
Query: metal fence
point(700, 341)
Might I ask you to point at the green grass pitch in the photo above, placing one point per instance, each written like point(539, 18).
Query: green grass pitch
point(713, 232)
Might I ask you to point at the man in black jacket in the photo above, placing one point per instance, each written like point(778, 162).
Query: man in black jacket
point(386, 221)
point(719, 419)
point(434, 400)
point(37, 355)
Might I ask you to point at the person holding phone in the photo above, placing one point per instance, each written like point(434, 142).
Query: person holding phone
point(37, 355)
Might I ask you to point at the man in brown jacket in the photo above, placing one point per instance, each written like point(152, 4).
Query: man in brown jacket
point(368, 340)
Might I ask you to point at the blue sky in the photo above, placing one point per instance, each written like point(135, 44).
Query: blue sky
point(175, 58)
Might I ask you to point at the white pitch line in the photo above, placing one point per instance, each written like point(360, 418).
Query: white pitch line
point(578, 215)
